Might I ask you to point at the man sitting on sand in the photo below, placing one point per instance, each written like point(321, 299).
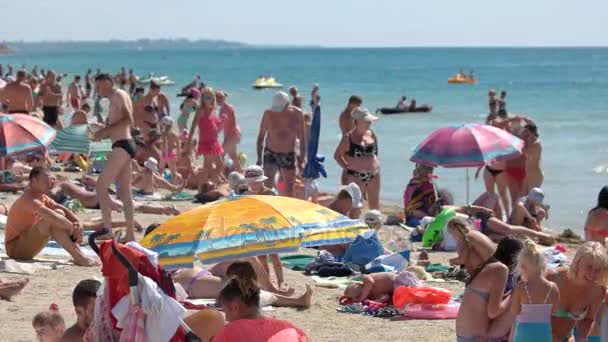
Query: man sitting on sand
point(281, 126)
point(83, 297)
point(34, 218)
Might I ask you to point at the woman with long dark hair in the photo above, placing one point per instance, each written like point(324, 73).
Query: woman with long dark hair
point(596, 226)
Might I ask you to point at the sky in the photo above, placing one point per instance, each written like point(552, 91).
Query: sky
point(330, 23)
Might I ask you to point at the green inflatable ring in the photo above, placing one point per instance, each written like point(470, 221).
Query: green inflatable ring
point(434, 232)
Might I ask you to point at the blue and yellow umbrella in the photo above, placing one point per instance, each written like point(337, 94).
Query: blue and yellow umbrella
point(245, 226)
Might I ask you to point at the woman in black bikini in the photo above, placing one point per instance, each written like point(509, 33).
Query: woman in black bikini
point(357, 153)
point(495, 179)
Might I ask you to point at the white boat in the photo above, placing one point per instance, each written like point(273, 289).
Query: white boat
point(161, 80)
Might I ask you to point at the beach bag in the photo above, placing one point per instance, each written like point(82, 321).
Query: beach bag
point(395, 262)
point(404, 295)
point(364, 249)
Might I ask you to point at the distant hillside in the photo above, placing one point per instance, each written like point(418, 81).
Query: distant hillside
point(4, 49)
point(141, 44)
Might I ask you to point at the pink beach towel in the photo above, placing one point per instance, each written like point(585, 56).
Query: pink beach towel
point(134, 330)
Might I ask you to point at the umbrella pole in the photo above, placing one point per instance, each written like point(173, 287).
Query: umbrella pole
point(467, 177)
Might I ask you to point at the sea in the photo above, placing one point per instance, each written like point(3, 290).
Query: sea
point(565, 90)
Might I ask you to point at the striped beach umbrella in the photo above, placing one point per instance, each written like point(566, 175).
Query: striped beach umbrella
point(467, 145)
point(245, 226)
point(22, 133)
point(75, 139)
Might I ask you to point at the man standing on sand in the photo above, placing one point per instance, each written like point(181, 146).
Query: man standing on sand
point(346, 121)
point(281, 126)
point(118, 166)
point(74, 93)
point(35, 218)
point(296, 100)
point(51, 96)
point(88, 87)
point(17, 96)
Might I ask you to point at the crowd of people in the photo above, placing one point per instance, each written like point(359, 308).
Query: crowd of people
point(509, 289)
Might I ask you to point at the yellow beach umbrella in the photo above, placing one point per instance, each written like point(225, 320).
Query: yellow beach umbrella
point(243, 226)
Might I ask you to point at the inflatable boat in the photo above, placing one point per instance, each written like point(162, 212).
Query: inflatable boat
point(461, 79)
point(425, 108)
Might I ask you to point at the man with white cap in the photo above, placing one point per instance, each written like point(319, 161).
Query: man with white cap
point(281, 126)
point(529, 211)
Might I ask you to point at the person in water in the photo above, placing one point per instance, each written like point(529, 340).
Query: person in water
point(582, 288)
point(230, 126)
point(483, 298)
point(189, 106)
point(281, 126)
point(296, 99)
point(596, 225)
point(502, 104)
point(117, 168)
point(357, 153)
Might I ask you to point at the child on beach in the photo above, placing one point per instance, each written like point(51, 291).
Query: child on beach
point(185, 167)
point(170, 147)
point(83, 297)
point(534, 298)
point(49, 325)
point(149, 180)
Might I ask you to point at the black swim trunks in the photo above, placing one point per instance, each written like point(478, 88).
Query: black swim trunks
point(18, 111)
point(285, 161)
point(51, 114)
point(127, 144)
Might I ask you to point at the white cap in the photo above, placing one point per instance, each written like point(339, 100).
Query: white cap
point(235, 179)
point(354, 192)
point(254, 174)
point(167, 121)
point(373, 218)
point(536, 195)
point(362, 114)
point(151, 164)
point(280, 101)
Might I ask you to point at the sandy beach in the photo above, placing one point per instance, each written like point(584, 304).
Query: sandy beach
point(321, 322)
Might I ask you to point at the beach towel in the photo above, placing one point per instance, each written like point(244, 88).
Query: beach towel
point(23, 267)
point(157, 196)
point(333, 282)
point(418, 195)
point(296, 262)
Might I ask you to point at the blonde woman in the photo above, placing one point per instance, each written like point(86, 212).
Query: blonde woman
point(209, 145)
point(582, 288)
point(534, 299)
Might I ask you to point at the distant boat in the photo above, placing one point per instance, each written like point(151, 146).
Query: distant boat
point(160, 80)
point(425, 108)
point(266, 83)
point(461, 78)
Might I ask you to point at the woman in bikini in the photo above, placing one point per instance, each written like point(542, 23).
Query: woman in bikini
point(188, 107)
point(483, 296)
point(209, 145)
point(232, 131)
point(494, 179)
point(582, 288)
point(596, 226)
point(357, 153)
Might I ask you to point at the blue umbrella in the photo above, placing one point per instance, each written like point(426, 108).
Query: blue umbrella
point(314, 167)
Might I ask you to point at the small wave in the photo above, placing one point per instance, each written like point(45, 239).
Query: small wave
point(601, 169)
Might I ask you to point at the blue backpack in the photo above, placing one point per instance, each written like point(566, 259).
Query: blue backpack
point(364, 249)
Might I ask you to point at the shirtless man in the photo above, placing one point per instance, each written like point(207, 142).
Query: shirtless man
point(122, 78)
point(51, 97)
point(281, 125)
point(74, 93)
point(314, 97)
point(132, 82)
point(80, 116)
point(346, 121)
point(35, 218)
point(88, 87)
point(533, 152)
point(296, 100)
point(18, 95)
point(118, 166)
